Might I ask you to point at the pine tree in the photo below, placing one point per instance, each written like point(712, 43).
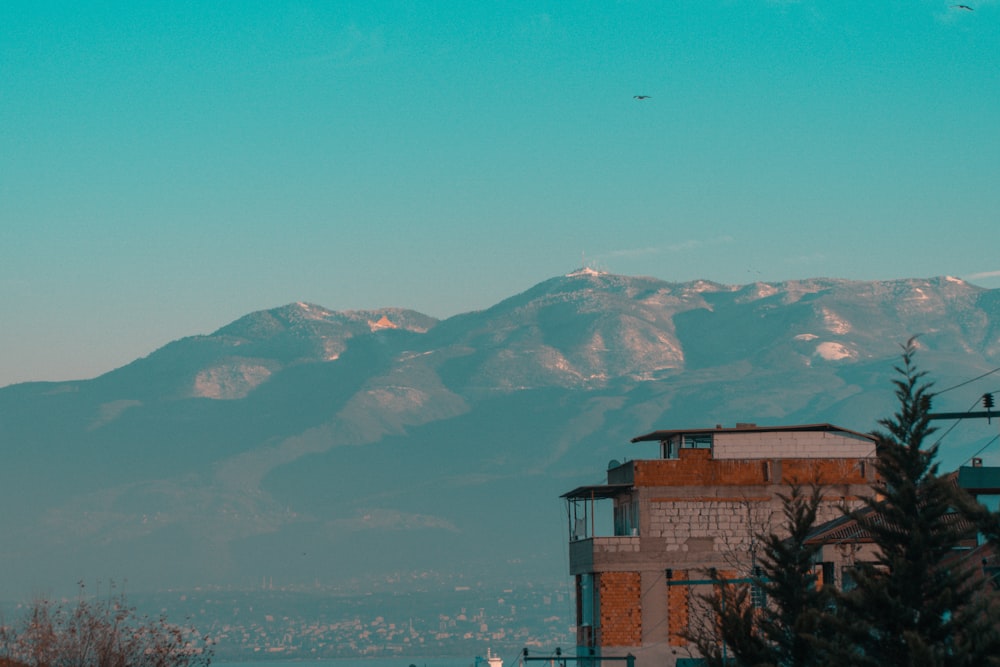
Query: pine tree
point(916, 604)
point(919, 603)
point(783, 631)
point(726, 631)
point(794, 617)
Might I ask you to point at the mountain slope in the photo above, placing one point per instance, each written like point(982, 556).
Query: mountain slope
point(305, 444)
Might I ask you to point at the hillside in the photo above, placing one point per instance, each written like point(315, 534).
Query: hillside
point(304, 444)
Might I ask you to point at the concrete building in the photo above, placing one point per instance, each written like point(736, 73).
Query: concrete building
point(641, 543)
point(843, 543)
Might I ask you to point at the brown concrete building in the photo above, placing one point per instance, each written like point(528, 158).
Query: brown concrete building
point(640, 542)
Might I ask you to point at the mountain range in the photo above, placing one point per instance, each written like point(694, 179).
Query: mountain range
point(300, 445)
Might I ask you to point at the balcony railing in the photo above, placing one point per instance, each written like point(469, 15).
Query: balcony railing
point(589, 555)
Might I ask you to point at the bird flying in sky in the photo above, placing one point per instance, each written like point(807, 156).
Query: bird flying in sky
point(965, 7)
point(641, 97)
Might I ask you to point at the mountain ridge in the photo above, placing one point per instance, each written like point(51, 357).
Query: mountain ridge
point(386, 439)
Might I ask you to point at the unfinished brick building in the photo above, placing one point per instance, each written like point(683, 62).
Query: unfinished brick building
point(699, 505)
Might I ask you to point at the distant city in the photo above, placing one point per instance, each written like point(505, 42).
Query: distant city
point(299, 623)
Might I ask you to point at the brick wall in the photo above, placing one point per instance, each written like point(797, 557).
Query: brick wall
point(680, 614)
point(621, 610)
point(678, 610)
point(696, 467)
point(824, 471)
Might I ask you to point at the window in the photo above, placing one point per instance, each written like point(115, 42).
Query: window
point(757, 596)
point(588, 609)
point(826, 574)
point(669, 449)
point(847, 578)
point(627, 517)
point(697, 441)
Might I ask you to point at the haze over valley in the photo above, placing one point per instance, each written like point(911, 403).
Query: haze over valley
point(309, 447)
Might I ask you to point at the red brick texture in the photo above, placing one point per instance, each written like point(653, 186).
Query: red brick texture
point(678, 610)
point(621, 609)
point(696, 467)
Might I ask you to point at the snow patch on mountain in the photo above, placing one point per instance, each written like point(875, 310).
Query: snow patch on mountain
point(230, 381)
point(383, 323)
point(108, 412)
point(586, 271)
point(313, 312)
point(764, 290)
point(332, 349)
point(699, 286)
point(834, 351)
point(398, 399)
point(834, 323)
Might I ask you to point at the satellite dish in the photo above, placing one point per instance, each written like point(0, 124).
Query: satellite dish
point(613, 463)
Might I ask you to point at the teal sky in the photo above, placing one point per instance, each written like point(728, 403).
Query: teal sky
point(168, 167)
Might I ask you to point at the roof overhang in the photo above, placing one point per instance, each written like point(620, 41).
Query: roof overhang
point(657, 436)
point(596, 491)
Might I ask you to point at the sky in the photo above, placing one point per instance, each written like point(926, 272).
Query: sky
point(167, 167)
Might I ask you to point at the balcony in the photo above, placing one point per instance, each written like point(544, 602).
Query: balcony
point(596, 554)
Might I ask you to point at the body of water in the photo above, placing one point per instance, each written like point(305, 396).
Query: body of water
point(509, 661)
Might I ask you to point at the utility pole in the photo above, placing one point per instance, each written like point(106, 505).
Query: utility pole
point(986, 414)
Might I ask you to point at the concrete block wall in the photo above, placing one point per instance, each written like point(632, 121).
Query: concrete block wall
point(791, 444)
point(621, 608)
point(610, 545)
point(726, 524)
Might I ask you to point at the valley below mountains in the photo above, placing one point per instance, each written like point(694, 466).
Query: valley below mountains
point(301, 445)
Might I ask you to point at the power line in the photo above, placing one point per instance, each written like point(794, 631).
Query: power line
point(962, 384)
point(983, 448)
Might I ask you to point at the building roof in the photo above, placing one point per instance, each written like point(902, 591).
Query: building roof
point(975, 480)
point(747, 428)
point(846, 529)
point(980, 480)
point(596, 491)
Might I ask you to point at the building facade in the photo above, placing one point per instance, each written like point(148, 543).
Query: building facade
point(842, 543)
point(645, 545)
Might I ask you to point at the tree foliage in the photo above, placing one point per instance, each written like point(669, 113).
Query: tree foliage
point(93, 633)
point(783, 631)
point(920, 602)
point(794, 619)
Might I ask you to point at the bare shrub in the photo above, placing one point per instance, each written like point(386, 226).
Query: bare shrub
point(94, 633)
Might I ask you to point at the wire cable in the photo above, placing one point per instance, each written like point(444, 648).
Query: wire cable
point(962, 384)
point(983, 448)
